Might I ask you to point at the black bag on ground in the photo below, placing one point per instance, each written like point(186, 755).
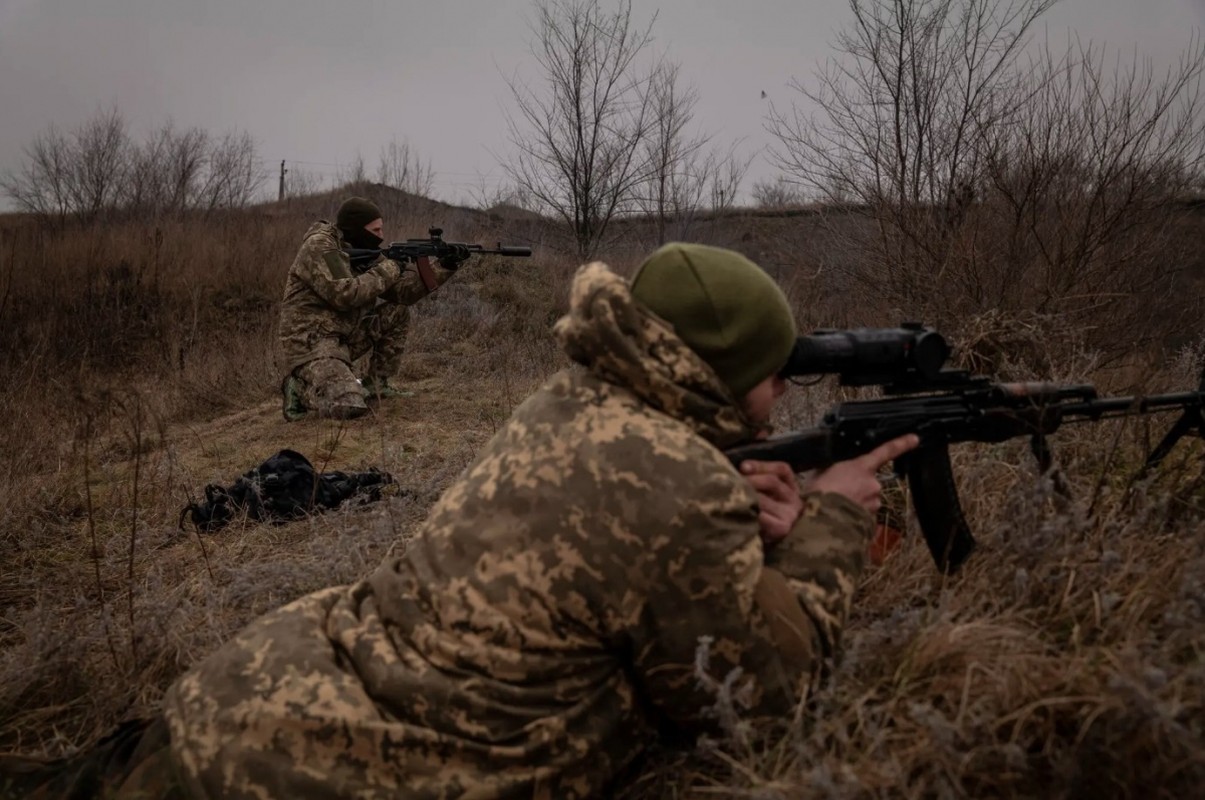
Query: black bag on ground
point(283, 488)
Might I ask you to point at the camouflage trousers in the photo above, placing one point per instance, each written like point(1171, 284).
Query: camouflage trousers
point(132, 763)
point(328, 385)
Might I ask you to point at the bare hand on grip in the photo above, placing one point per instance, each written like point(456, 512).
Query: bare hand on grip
point(778, 500)
point(857, 478)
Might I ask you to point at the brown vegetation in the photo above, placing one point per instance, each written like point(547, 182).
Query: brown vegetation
point(1036, 211)
point(139, 364)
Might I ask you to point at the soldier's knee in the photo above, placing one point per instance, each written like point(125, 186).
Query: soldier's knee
point(331, 390)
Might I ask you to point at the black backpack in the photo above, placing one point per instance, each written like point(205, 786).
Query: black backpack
point(283, 488)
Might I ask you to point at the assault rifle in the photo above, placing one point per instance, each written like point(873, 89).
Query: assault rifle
point(943, 406)
point(417, 251)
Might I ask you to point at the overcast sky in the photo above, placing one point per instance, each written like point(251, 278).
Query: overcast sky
point(315, 81)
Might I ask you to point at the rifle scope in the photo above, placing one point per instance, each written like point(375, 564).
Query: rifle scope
point(869, 356)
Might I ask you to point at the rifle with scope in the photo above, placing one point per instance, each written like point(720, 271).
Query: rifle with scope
point(450, 254)
point(944, 406)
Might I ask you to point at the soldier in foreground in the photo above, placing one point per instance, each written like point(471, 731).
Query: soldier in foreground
point(330, 316)
point(543, 626)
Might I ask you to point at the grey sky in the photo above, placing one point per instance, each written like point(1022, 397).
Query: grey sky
point(314, 81)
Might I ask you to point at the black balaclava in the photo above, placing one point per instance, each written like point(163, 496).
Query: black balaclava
point(353, 215)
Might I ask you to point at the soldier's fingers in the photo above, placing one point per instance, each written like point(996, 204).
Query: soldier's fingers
point(752, 467)
point(887, 452)
point(772, 509)
point(773, 528)
point(773, 486)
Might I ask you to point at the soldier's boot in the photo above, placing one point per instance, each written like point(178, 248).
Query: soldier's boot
point(347, 406)
point(293, 407)
point(379, 389)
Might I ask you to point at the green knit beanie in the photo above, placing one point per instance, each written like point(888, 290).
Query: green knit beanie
point(725, 307)
point(355, 213)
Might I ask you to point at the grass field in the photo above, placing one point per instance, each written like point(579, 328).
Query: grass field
point(139, 365)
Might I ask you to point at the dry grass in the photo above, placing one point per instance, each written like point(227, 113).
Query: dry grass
point(1066, 660)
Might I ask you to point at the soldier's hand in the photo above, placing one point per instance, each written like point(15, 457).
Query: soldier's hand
point(778, 500)
point(388, 269)
point(456, 256)
point(858, 478)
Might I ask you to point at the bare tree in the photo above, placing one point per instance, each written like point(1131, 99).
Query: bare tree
point(186, 154)
point(684, 175)
point(43, 186)
point(678, 170)
point(81, 174)
point(165, 171)
point(145, 174)
point(233, 173)
point(303, 182)
point(998, 186)
point(578, 138)
point(901, 105)
point(726, 174)
point(99, 163)
point(401, 168)
point(353, 172)
point(99, 169)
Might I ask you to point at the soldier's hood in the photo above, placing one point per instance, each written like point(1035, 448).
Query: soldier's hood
point(622, 342)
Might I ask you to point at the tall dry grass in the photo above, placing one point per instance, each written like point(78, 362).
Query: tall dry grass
point(1064, 660)
point(138, 366)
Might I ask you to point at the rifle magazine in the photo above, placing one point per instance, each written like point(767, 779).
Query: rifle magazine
point(935, 497)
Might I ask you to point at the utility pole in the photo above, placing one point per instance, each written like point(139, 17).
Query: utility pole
point(281, 193)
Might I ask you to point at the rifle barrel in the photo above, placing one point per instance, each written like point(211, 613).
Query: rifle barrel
point(508, 250)
point(1110, 407)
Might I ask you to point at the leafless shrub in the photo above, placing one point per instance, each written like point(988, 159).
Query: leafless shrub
point(301, 183)
point(726, 172)
point(165, 172)
point(100, 171)
point(233, 175)
point(43, 187)
point(100, 156)
point(402, 168)
point(778, 194)
point(491, 196)
point(81, 174)
point(353, 171)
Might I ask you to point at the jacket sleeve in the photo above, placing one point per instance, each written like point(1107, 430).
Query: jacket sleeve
point(821, 560)
point(723, 627)
point(409, 288)
point(327, 270)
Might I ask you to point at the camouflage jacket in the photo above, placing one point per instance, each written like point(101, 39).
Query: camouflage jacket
point(589, 579)
point(324, 301)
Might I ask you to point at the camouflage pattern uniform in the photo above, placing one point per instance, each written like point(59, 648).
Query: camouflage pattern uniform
point(330, 317)
point(543, 624)
point(544, 620)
